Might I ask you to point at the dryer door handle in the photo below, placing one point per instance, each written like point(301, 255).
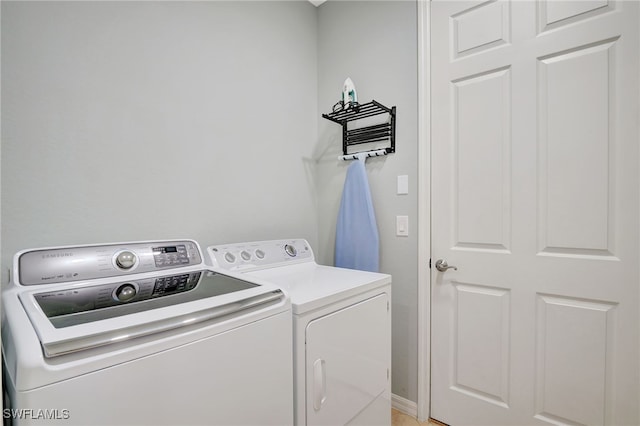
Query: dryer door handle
point(319, 383)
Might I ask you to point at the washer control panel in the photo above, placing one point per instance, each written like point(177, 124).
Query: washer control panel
point(68, 264)
point(259, 254)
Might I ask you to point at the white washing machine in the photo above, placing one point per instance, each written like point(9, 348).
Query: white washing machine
point(341, 326)
point(143, 333)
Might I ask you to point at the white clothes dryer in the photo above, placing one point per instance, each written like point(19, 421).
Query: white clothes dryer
point(341, 327)
point(143, 333)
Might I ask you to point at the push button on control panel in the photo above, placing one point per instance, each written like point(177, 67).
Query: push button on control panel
point(170, 256)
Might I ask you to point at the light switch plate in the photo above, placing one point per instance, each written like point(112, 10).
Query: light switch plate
point(403, 185)
point(402, 226)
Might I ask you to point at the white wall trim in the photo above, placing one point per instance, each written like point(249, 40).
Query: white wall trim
point(404, 405)
point(424, 211)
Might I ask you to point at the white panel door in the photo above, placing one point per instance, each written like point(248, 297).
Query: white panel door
point(535, 190)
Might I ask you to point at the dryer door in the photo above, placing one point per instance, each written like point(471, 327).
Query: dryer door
point(348, 359)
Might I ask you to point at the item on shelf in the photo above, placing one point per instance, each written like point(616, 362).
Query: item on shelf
point(349, 95)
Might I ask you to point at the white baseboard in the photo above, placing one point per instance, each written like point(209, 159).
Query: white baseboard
point(404, 405)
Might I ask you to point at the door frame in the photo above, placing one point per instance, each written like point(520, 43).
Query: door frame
point(424, 210)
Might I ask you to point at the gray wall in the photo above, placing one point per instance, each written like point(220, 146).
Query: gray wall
point(375, 43)
point(152, 120)
point(130, 121)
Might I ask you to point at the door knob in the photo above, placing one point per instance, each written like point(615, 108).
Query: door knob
point(441, 265)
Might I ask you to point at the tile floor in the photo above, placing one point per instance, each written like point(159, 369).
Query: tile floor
point(398, 418)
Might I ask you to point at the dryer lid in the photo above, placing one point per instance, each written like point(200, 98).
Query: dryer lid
point(312, 286)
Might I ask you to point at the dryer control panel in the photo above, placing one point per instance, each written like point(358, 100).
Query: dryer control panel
point(68, 264)
point(259, 254)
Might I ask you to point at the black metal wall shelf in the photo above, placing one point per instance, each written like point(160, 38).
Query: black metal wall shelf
point(368, 134)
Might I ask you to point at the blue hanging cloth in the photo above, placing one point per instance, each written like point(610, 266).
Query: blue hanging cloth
point(357, 240)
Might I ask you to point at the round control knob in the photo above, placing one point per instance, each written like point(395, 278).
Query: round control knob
point(125, 292)
point(229, 257)
point(290, 250)
point(125, 260)
point(245, 255)
point(259, 254)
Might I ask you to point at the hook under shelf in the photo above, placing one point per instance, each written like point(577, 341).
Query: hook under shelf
point(364, 154)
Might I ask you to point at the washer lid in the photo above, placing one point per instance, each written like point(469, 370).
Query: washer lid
point(74, 318)
point(312, 286)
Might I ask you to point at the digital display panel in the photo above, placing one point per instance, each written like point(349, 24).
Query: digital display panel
point(168, 249)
